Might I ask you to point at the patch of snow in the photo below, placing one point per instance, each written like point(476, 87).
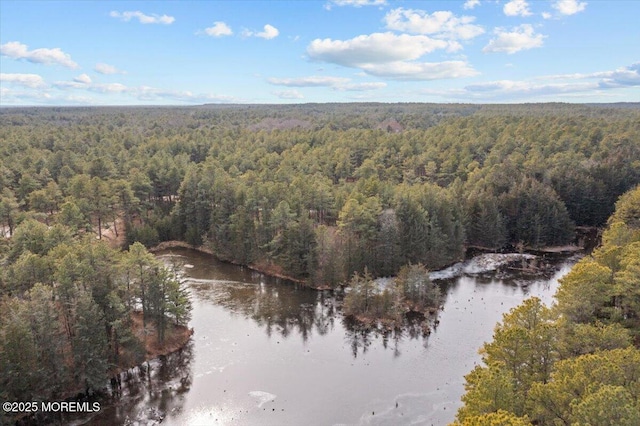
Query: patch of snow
point(479, 265)
point(262, 397)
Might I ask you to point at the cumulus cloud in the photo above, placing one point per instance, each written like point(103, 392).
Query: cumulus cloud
point(312, 81)
point(527, 88)
point(107, 69)
point(336, 83)
point(377, 48)
point(421, 70)
point(83, 78)
point(569, 7)
point(470, 4)
point(549, 86)
point(141, 93)
point(391, 56)
point(622, 77)
point(26, 80)
point(219, 29)
point(358, 3)
point(441, 24)
point(20, 97)
point(516, 8)
point(268, 33)
point(17, 50)
point(289, 94)
point(143, 18)
point(361, 87)
point(522, 37)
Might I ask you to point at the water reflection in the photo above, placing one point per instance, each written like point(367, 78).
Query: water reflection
point(267, 351)
point(285, 309)
point(148, 394)
point(280, 307)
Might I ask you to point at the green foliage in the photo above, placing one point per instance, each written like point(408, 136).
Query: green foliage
point(67, 310)
point(585, 292)
point(371, 301)
point(535, 215)
point(332, 197)
point(586, 385)
point(417, 290)
point(572, 364)
point(497, 418)
point(454, 176)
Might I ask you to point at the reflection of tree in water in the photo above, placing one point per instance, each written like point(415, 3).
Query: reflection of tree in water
point(414, 327)
point(282, 308)
point(151, 392)
point(286, 310)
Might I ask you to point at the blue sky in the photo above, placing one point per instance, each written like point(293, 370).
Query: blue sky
point(182, 53)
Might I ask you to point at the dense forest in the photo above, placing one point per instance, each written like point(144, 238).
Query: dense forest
point(320, 192)
point(578, 362)
point(326, 194)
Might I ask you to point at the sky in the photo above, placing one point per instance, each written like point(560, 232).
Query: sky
point(274, 52)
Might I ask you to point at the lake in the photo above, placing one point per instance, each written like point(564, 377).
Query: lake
point(269, 352)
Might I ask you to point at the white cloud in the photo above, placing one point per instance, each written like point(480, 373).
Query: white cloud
point(361, 87)
point(546, 15)
point(108, 88)
point(442, 24)
point(549, 86)
point(569, 7)
point(470, 4)
point(421, 70)
point(22, 97)
point(391, 56)
point(26, 80)
point(527, 89)
point(622, 77)
point(142, 18)
point(336, 83)
point(269, 32)
point(522, 37)
point(289, 94)
point(219, 29)
point(83, 78)
point(377, 48)
point(312, 81)
point(17, 50)
point(107, 69)
point(141, 93)
point(358, 3)
point(516, 8)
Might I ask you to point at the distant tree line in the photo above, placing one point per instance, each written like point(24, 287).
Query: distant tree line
point(319, 192)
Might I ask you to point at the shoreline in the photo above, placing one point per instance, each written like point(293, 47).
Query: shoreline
point(167, 245)
point(177, 340)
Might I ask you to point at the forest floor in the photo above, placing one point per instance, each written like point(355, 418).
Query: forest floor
point(109, 233)
point(176, 336)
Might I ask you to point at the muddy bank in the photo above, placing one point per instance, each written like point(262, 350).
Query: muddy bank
point(267, 269)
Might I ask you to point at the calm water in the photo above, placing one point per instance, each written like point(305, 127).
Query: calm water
point(268, 352)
